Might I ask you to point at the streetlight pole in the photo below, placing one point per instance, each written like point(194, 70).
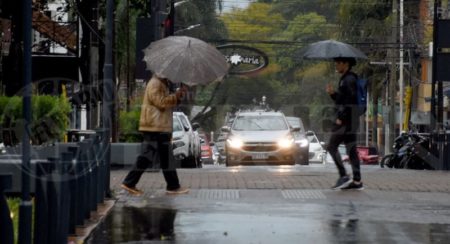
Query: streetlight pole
point(401, 83)
point(390, 133)
point(25, 211)
point(108, 89)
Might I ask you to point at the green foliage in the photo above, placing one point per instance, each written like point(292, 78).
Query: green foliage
point(49, 119)
point(129, 125)
point(14, 205)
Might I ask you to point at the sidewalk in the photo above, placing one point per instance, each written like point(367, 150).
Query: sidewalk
point(281, 205)
point(296, 177)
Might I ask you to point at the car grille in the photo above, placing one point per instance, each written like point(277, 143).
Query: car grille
point(260, 147)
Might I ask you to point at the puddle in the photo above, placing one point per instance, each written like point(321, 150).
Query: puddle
point(128, 224)
point(152, 225)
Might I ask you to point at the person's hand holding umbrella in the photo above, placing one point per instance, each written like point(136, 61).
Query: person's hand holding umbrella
point(180, 92)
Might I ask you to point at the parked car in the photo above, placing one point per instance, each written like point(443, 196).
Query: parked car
point(317, 152)
point(301, 142)
point(260, 138)
point(185, 141)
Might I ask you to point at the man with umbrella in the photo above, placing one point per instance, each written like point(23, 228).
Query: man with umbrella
point(156, 125)
point(177, 59)
point(345, 126)
point(346, 123)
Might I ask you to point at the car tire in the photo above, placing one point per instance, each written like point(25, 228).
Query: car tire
point(291, 163)
point(189, 162)
point(229, 163)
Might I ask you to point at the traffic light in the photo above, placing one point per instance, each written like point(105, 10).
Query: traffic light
point(169, 22)
point(159, 14)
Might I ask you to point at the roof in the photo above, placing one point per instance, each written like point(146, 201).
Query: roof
point(260, 113)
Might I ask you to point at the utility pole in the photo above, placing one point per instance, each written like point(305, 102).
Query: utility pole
point(401, 78)
point(108, 87)
point(393, 80)
point(128, 58)
point(25, 210)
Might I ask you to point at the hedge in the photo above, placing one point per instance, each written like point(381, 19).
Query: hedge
point(50, 119)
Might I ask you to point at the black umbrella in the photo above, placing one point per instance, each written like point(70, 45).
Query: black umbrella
point(332, 49)
point(185, 59)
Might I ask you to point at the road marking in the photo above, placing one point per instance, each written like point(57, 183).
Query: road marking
point(302, 194)
point(218, 194)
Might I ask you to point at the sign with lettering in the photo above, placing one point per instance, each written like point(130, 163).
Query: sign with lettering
point(244, 60)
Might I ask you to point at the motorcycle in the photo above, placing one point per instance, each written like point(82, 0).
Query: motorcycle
point(417, 153)
point(410, 151)
point(400, 149)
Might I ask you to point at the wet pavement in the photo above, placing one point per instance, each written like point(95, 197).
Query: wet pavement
point(278, 215)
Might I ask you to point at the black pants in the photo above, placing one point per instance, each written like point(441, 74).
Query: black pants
point(156, 147)
point(341, 135)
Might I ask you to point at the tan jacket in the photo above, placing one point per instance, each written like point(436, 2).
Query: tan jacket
point(156, 111)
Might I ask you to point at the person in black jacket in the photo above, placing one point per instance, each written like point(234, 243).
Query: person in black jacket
point(345, 126)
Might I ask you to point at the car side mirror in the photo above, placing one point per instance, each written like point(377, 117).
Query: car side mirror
point(322, 143)
point(310, 133)
point(225, 129)
point(195, 126)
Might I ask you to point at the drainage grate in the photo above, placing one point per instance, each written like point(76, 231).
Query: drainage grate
point(218, 194)
point(302, 194)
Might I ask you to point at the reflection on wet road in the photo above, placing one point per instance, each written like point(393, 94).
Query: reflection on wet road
point(153, 225)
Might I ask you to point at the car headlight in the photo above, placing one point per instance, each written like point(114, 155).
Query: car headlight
point(235, 143)
point(285, 142)
point(303, 142)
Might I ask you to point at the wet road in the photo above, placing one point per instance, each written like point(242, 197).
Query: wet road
point(278, 216)
point(152, 225)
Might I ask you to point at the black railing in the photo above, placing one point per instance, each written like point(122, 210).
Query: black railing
point(6, 225)
point(68, 189)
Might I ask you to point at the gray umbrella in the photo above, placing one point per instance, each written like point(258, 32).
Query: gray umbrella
point(185, 59)
point(332, 49)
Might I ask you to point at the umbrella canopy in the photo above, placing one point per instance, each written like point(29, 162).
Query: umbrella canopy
point(332, 49)
point(185, 59)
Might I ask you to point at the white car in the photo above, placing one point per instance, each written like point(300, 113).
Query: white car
point(317, 152)
point(180, 140)
point(185, 141)
point(260, 138)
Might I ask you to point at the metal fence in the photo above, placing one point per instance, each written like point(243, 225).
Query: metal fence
point(67, 190)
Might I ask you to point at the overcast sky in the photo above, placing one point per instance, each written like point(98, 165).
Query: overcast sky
point(229, 4)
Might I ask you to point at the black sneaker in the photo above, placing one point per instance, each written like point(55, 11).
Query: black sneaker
point(354, 186)
point(342, 182)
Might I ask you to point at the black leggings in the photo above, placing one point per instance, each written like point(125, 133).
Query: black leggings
point(341, 135)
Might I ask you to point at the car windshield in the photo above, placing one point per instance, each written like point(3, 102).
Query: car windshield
point(295, 123)
point(176, 124)
point(312, 139)
point(260, 123)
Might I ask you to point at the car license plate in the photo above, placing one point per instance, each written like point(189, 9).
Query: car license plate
point(260, 156)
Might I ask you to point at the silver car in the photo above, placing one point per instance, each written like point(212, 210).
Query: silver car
point(260, 138)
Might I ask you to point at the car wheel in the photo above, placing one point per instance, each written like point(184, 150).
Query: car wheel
point(198, 162)
point(305, 162)
point(189, 162)
point(229, 163)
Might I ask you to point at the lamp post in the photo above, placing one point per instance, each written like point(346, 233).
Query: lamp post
point(108, 89)
point(25, 211)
